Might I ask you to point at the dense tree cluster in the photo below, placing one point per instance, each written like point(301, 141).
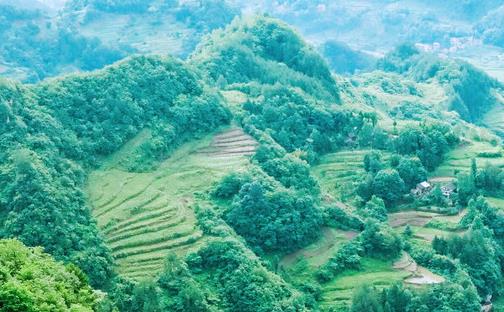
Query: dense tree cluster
point(274, 220)
point(297, 122)
point(264, 50)
point(32, 281)
point(427, 142)
point(377, 240)
point(221, 276)
point(451, 296)
point(487, 181)
point(479, 252)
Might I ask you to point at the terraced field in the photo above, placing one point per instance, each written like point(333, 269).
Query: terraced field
point(320, 251)
point(143, 216)
point(339, 292)
point(460, 158)
point(337, 172)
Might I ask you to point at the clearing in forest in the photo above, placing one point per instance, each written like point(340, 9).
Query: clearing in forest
point(145, 215)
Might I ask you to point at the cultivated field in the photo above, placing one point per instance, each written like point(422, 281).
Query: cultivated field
point(460, 158)
point(337, 172)
point(338, 293)
point(145, 215)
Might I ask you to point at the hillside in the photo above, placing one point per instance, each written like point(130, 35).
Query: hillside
point(250, 177)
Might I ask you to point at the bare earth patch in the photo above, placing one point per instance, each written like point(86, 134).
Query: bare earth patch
point(419, 274)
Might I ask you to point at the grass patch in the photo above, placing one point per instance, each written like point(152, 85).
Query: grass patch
point(337, 172)
point(496, 202)
point(460, 158)
point(338, 293)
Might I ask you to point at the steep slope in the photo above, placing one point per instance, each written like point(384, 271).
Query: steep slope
point(54, 132)
point(146, 215)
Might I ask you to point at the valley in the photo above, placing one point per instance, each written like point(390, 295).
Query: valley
point(200, 156)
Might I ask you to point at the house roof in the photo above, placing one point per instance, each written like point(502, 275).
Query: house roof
point(425, 184)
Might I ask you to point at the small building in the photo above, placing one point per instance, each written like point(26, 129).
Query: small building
point(448, 189)
point(422, 188)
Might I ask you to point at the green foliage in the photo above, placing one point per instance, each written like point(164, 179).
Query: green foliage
point(295, 121)
point(379, 240)
point(57, 129)
point(459, 295)
point(428, 142)
point(338, 217)
point(452, 296)
point(31, 281)
point(231, 184)
point(207, 15)
point(291, 172)
point(389, 186)
point(469, 89)
point(274, 220)
point(372, 162)
point(242, 282)
point(366, 299)
point(374, 208)
point(347, 257)
point(265, 50)
point(479, 252)
point(26, 43)
point(411, 172)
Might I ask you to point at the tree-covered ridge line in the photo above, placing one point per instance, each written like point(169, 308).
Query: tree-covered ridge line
point(54, 132)
point(470, 91)
point(264, 50)
point(260, 75)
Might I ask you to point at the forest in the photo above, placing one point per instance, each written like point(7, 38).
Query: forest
point(260, 173)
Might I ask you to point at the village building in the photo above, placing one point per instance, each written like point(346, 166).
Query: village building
point(422, 189)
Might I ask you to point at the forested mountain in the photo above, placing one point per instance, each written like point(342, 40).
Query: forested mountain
point(248, 176)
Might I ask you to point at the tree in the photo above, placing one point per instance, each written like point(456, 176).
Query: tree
point(374, 208)
point(465, 188)
point(366, 299)
point(389, 186)
point(274, 220)
point(379, 240)
point(411, 172)
point(31, 279)
point(372, 162)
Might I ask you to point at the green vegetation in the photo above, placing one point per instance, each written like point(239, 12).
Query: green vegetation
point(77, 121)
point(264, 50)
point(37, 47)
point(145, 215)
point(470, 90)
point(31, 281)
point(249, 177)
